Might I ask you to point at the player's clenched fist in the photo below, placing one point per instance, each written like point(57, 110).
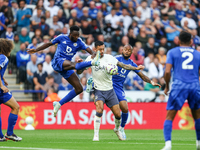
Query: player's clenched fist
point(31, 51)
point(140, 67)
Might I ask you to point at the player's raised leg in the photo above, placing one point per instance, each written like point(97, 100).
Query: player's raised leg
point(124, 107)
point(12, 119)
point(75, 82)
point(116, 111)
point(167, 129)
point(97, 119)
point(2, 137)
point(196, 116)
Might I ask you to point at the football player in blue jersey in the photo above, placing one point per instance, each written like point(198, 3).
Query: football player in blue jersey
point(118, 81)
point(67, 47)
point(184, 62)
point(5, 96)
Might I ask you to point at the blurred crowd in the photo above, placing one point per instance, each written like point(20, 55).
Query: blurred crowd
point(151, 27)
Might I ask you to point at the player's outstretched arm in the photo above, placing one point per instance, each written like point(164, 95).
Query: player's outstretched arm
point(146, 79)
point(42, 47)
point(129, 67)
point(167, 77)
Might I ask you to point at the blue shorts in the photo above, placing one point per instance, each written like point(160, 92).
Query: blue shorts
point(57, 65)
point(184, 91)
point(4, 97)
point(120, 94)
point(108, 97)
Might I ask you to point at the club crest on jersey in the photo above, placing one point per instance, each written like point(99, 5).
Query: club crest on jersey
point(75, 44)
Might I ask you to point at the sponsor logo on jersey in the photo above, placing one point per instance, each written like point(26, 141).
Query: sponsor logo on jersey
point(64, 42)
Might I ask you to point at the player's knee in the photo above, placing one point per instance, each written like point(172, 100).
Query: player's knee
point(79, 90)
point(118, 115)
point(99, 110)
point(125, 110)
point(16, 108)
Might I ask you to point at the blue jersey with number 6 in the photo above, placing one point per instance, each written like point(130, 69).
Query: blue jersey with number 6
point(185, 63)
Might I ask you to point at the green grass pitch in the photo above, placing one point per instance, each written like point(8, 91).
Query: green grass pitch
point(82, 140)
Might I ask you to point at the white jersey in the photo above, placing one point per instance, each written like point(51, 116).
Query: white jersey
point(102, 80)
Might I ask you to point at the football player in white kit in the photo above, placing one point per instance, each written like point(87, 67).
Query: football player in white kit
point(103, 88)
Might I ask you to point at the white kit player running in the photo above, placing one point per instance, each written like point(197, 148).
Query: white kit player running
point(103, 88)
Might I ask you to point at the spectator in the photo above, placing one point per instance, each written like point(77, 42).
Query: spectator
point(116, 41)
point(52, 34)
point(8, 12)
point(23, 37)
point(49, 19)
point(196, 38)
point(172, 31)
point(85, 15)
point(120, 50)
point(150, 47)
point(138, 83)
point(145, 10)
point(148, 60)
point(166, 9)
point(65, 30)
point(40, 56)
point(122, 27)
point(108, 31)
point(150, 87)
point(52, 96)
point(13, 53)
point(160, 31)
point(137, 58)
point(83, 81)
point(79, 9)
point(131, 37)
point(86, 29)
point(195, 12)
point(22, 58)
point(161, 98)
point(61, 18)
point(104, 9)
point(130, 8)
point(135, 28)
point(42, 26)
point(2, 22)
point(39, 5)
point(8, 34)
point(128, 84)
point(198, 48)
point(150, 30)
point(109, 51)
point(73, 20)
point(161, 56)
point(31, 68)
point(118, 8)
point(52, 8)
point(45, 40)
point(113, 18)
point(47, 65)
point(52, 51)
point(185, 4)
point(163, 43)
point(33, 45)
point(126, 20)
point(82, 97)
point(66, 9)
point(155, 69)
point(154, 8)
point(38, 35)
point(93, 10)
point(165, 20)
point(50, 84)
point(100, 20)
point(139, 18)
point(179, 11)
point(125, 40)
point(57, 26)
point(175, 42)
point(14, 9)
point(36, 18)
point(96, 30)
point(191, 23)
point(142, 36)
point(39, 79)
point(140, 49)
point(23, 17)
point(57, 77)
point(65, 85)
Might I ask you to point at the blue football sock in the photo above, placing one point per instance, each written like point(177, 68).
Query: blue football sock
point(167, 130)
point(124, 119)
point(82, 65)
point(12, 119)
point(1, 134)
point(197, 128)
point(68, 97)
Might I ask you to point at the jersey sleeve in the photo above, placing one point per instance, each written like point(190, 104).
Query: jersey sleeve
point(3, 61)
point(114, 60)
point(135, 65)
point(169, 58)
point(57, 39)
point(83, 46)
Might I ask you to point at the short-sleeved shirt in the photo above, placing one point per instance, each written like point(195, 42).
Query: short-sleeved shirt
point(26, 21)
point(32, 67)
point(41, 77)
point(3, 65)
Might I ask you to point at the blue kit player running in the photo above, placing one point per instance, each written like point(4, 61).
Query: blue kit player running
point(118, 81)
point(67, 47)
point(5, 96)
point(185, 62)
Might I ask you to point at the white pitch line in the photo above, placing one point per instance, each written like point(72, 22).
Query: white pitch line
point(32, 148)
point(148, 143)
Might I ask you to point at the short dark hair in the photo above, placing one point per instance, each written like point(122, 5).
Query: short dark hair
point(185, 37)
point(50, 77)
point(43, 17)
point(98, 43)
point(41, 64)
point(74, 28)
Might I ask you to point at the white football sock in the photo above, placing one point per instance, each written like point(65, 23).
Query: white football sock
point(117, 123)
point(97, 122)
point(197, 142)
point(168, 144)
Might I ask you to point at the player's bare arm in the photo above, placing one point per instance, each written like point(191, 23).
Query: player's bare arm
point(4, 89)
point(129, 67)
point(6, 83)
point(90, 51)
point(146, 79)
point(167, 77)
point(44, 46)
